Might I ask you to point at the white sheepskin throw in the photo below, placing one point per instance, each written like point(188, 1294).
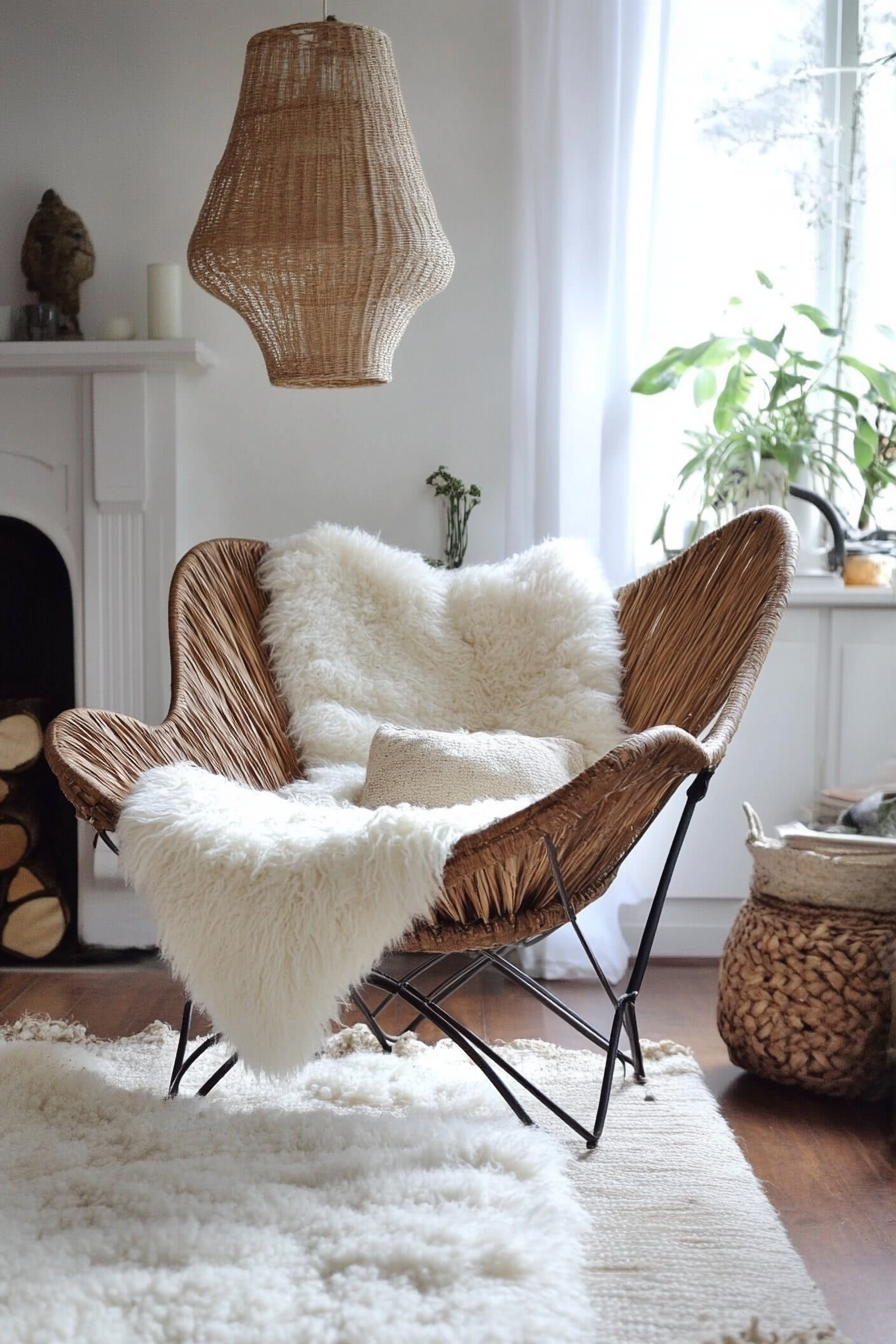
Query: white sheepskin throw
point(361, 633)
point(270, 905)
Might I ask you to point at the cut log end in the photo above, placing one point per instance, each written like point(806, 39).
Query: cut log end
point(34, 915)
point(24, 883)
point(15, 843)
point(21, 741)
point(19, 822)
point(35, 927)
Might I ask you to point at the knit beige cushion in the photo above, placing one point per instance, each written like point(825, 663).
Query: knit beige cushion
point(432, 769)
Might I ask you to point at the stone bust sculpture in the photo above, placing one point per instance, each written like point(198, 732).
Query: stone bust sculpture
point(57, 257)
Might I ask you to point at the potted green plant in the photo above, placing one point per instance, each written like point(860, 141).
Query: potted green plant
point(874, 433)
point(778, 417)
point(768, 416)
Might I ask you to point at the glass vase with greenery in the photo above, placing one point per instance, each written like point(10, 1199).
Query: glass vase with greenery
point(460, 501)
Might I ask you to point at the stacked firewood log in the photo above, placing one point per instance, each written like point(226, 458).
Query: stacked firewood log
point(33, 912)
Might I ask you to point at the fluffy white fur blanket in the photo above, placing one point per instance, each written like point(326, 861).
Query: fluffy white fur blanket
point(270, 905)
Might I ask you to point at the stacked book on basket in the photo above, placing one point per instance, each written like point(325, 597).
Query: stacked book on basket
point(847, 821)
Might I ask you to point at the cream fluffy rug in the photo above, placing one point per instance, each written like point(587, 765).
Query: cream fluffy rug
point(270, 905)
point(376, 1200)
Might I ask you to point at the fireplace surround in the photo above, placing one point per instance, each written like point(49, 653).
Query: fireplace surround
point(88, 454)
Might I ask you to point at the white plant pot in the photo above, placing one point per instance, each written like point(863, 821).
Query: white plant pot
point(810, 523)
point(814, 534)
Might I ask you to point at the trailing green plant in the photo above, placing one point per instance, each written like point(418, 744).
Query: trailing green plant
point(460, 501)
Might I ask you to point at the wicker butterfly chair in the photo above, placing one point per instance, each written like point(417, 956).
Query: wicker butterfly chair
point(695, 633)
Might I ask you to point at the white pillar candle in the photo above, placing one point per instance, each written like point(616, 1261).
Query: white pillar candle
point(163, 301)
point(118, 329)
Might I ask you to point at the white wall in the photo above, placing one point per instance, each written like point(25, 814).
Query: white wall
point(124, 106)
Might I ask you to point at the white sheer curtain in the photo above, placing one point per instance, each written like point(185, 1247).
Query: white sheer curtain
point(587, 98)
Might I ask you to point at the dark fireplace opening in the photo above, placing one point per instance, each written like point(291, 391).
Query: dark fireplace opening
point(38, 831)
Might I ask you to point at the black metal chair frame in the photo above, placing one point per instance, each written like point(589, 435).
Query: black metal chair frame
point(484, 1056)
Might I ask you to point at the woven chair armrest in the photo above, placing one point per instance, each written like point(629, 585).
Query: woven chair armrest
point(98, 756)
point(717, 741)
point(225, 714)
point(624, 790)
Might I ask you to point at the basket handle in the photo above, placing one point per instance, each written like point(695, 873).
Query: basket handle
point(754, 825)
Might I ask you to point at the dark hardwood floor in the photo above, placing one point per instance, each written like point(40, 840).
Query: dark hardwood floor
point(828, 1167)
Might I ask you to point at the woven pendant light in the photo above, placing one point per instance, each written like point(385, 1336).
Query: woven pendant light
point(318, 226)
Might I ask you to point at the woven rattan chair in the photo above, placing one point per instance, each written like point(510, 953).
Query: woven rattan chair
point(696, 633)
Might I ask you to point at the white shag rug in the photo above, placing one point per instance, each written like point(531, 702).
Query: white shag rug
point(377, 1200)
point(270, 905)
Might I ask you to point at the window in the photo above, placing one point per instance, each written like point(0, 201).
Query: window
point(756, 172)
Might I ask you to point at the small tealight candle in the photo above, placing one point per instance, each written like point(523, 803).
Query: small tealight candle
point(118, 329)
point(163, 301)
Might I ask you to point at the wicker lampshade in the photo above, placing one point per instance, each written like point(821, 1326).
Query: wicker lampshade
point(318, 226)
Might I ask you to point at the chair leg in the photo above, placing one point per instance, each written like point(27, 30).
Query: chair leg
point(624, 1011)
point(178, 1077)
point(443, 991)
point(217, 1076)
point(554, 1003)
point(451, 985)
point(695, 794)
point(606, 1083)
point(462, 1036)
point(385, 1042)
point(631, 1031)
point(485, 1058)
point(185, 1024)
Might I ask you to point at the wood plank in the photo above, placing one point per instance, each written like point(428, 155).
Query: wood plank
point(11, 987)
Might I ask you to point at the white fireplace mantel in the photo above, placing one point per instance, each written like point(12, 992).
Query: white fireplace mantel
point(103, 356)
point(88, 451)
point(88, 454)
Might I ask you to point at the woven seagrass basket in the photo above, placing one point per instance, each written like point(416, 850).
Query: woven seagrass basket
point(807, 980)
